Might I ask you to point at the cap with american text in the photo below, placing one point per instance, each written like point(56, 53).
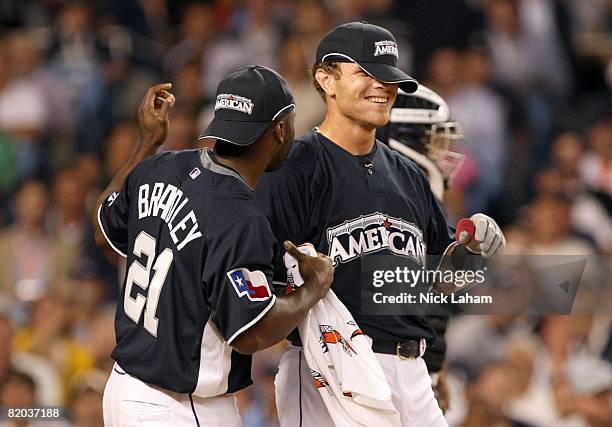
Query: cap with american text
point(248, 100)
point(371, 47)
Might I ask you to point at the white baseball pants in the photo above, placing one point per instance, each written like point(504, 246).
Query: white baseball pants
point(130, 402)
point(300, 405)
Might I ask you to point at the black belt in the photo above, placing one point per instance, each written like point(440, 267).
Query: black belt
point(405, 349)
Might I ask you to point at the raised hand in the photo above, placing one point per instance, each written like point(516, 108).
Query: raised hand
point(153, 115)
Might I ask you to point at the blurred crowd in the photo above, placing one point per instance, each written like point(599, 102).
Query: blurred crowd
point(529, 80)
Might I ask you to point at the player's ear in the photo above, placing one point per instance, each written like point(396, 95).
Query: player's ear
point(279, 131)
point(326, 81)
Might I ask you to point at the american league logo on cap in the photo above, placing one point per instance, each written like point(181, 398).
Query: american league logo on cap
point(385, 47)
point(234, 102)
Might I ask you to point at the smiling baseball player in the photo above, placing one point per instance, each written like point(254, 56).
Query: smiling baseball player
point(352, 196)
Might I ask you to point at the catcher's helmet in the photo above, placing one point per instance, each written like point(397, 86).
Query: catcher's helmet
point(420, 122)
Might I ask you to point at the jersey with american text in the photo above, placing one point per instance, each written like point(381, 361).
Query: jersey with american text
point(351, 207)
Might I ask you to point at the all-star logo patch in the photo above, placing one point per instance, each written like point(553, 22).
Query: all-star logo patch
point(375, 232)
point(234, 102)
point(385, 47)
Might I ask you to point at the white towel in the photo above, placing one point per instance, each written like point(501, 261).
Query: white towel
point(340, 357)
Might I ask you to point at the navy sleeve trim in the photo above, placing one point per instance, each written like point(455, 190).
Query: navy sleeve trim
point(255, 320)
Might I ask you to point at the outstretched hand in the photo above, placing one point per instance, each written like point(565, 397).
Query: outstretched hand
point(153, 115)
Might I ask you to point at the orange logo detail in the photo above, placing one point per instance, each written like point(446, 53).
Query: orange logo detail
point(331, 336)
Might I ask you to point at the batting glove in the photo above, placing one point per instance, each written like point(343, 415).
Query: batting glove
point(488, 238)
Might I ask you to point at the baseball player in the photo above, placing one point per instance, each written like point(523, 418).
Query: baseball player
point(420, 129)
point(196, 300)
point(352, 196)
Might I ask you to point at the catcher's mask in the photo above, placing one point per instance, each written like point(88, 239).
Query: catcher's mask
point(420, 120)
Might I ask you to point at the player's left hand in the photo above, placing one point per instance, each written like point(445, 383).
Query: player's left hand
point(488, 238)
point(153, 115)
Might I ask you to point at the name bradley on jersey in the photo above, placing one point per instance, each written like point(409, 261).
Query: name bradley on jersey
point(372, 233)
point(166, 202)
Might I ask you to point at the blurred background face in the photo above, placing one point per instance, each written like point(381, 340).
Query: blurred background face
point(187, 86)
point(550, 219)
point(197, 24)
point(89, 168)
point(293, 61)
point(74, 19)
point(494, 386)
point(444, 69)
point(558, 333)
point(567, 151)
point(17, 391)
point(311, 17)
point(182, 132)
point(69, 193)
point(23, 53)
point(549, 182)
point(119, 147)
point(48, 312)
point(87, 409)
point(502, 15)
point(600, 138)
point(31, 204)
point(476, 66)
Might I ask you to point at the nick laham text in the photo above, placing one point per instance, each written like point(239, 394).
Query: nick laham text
point(432, 298)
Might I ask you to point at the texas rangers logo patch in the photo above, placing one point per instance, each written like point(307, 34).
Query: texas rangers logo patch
point(253, 284)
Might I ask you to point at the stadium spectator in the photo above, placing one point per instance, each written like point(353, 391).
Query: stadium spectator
point(27, 259)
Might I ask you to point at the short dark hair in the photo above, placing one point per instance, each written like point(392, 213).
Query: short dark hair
point(329, 67)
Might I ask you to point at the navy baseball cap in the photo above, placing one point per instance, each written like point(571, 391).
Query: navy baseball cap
point(248, 100)
point(371, 47)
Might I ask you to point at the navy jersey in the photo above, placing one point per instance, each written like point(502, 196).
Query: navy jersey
point(352, 206)
point(199, 252)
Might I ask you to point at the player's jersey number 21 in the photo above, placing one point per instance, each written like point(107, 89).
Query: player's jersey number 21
point(139, 274)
